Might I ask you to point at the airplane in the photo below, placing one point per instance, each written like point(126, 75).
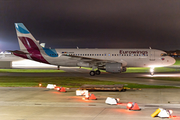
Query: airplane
point(110, 60)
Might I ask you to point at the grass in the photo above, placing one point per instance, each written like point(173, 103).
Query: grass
point(177, 62)
point(71, 82)
point(29, 71)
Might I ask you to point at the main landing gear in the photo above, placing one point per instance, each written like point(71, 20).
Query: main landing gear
point(93, 73)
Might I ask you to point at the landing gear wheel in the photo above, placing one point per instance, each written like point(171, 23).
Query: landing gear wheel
point(98, 72)
point(92, 73)
point(152, 73)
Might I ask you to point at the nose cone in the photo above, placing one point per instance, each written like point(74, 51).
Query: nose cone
point(172, 61)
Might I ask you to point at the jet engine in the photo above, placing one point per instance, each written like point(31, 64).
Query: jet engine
point(113, 67)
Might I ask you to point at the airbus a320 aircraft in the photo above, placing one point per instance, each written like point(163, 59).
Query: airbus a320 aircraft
point(111, 60)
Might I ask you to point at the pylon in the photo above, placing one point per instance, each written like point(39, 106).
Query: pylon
point(57, 88)
point(133, 106)
point(92, 97)
point(62, 89)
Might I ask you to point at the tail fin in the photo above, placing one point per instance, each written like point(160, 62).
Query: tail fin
point(25, 38)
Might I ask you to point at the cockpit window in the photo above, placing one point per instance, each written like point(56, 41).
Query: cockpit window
point(164, 54)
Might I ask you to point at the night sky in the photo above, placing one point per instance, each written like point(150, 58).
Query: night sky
point(93, 23)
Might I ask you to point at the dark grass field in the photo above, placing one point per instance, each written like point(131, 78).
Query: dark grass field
point(71, 82)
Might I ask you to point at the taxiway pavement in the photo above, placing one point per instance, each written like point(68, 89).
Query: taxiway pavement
point(43, 104)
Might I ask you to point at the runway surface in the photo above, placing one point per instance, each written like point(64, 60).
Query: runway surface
point(43, 104)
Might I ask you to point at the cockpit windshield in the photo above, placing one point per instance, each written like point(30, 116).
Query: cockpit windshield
point(164, 54)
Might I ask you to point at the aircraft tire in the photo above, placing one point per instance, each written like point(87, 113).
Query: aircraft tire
point(98, 72)
point(92, 73)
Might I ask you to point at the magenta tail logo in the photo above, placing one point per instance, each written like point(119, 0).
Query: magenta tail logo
point(33, 49)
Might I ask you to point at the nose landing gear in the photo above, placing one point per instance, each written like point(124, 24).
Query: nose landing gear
point(152, 71)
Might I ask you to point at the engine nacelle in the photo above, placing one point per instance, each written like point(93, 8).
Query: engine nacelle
point(113, 67)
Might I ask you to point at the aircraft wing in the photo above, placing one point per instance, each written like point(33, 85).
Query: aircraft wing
point(92, 61)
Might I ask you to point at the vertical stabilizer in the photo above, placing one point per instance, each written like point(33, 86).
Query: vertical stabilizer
point(25, 38)
point(30, 47)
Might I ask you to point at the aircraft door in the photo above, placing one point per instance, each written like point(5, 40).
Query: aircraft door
point(152, 56)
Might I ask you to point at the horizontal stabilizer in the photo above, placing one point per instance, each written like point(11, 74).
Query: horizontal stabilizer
point(17, 52)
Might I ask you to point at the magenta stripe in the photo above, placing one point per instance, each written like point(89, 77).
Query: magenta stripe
point(33, 49)
point(21, 55)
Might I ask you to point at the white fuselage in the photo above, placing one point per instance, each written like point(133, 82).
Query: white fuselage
point(128, 57)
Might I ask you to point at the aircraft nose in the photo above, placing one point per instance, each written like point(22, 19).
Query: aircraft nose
point(173, 60)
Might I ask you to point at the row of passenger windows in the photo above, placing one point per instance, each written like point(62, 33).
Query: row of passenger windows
point(53, 54)
point(109, 54)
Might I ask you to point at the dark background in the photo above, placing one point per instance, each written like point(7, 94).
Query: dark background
point(93, 23)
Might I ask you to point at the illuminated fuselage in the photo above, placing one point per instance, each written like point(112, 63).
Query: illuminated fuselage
point(128, 57)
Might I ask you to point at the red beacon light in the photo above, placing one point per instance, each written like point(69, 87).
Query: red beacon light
point(133, 106)
point(118, 100)
point(129, 105)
